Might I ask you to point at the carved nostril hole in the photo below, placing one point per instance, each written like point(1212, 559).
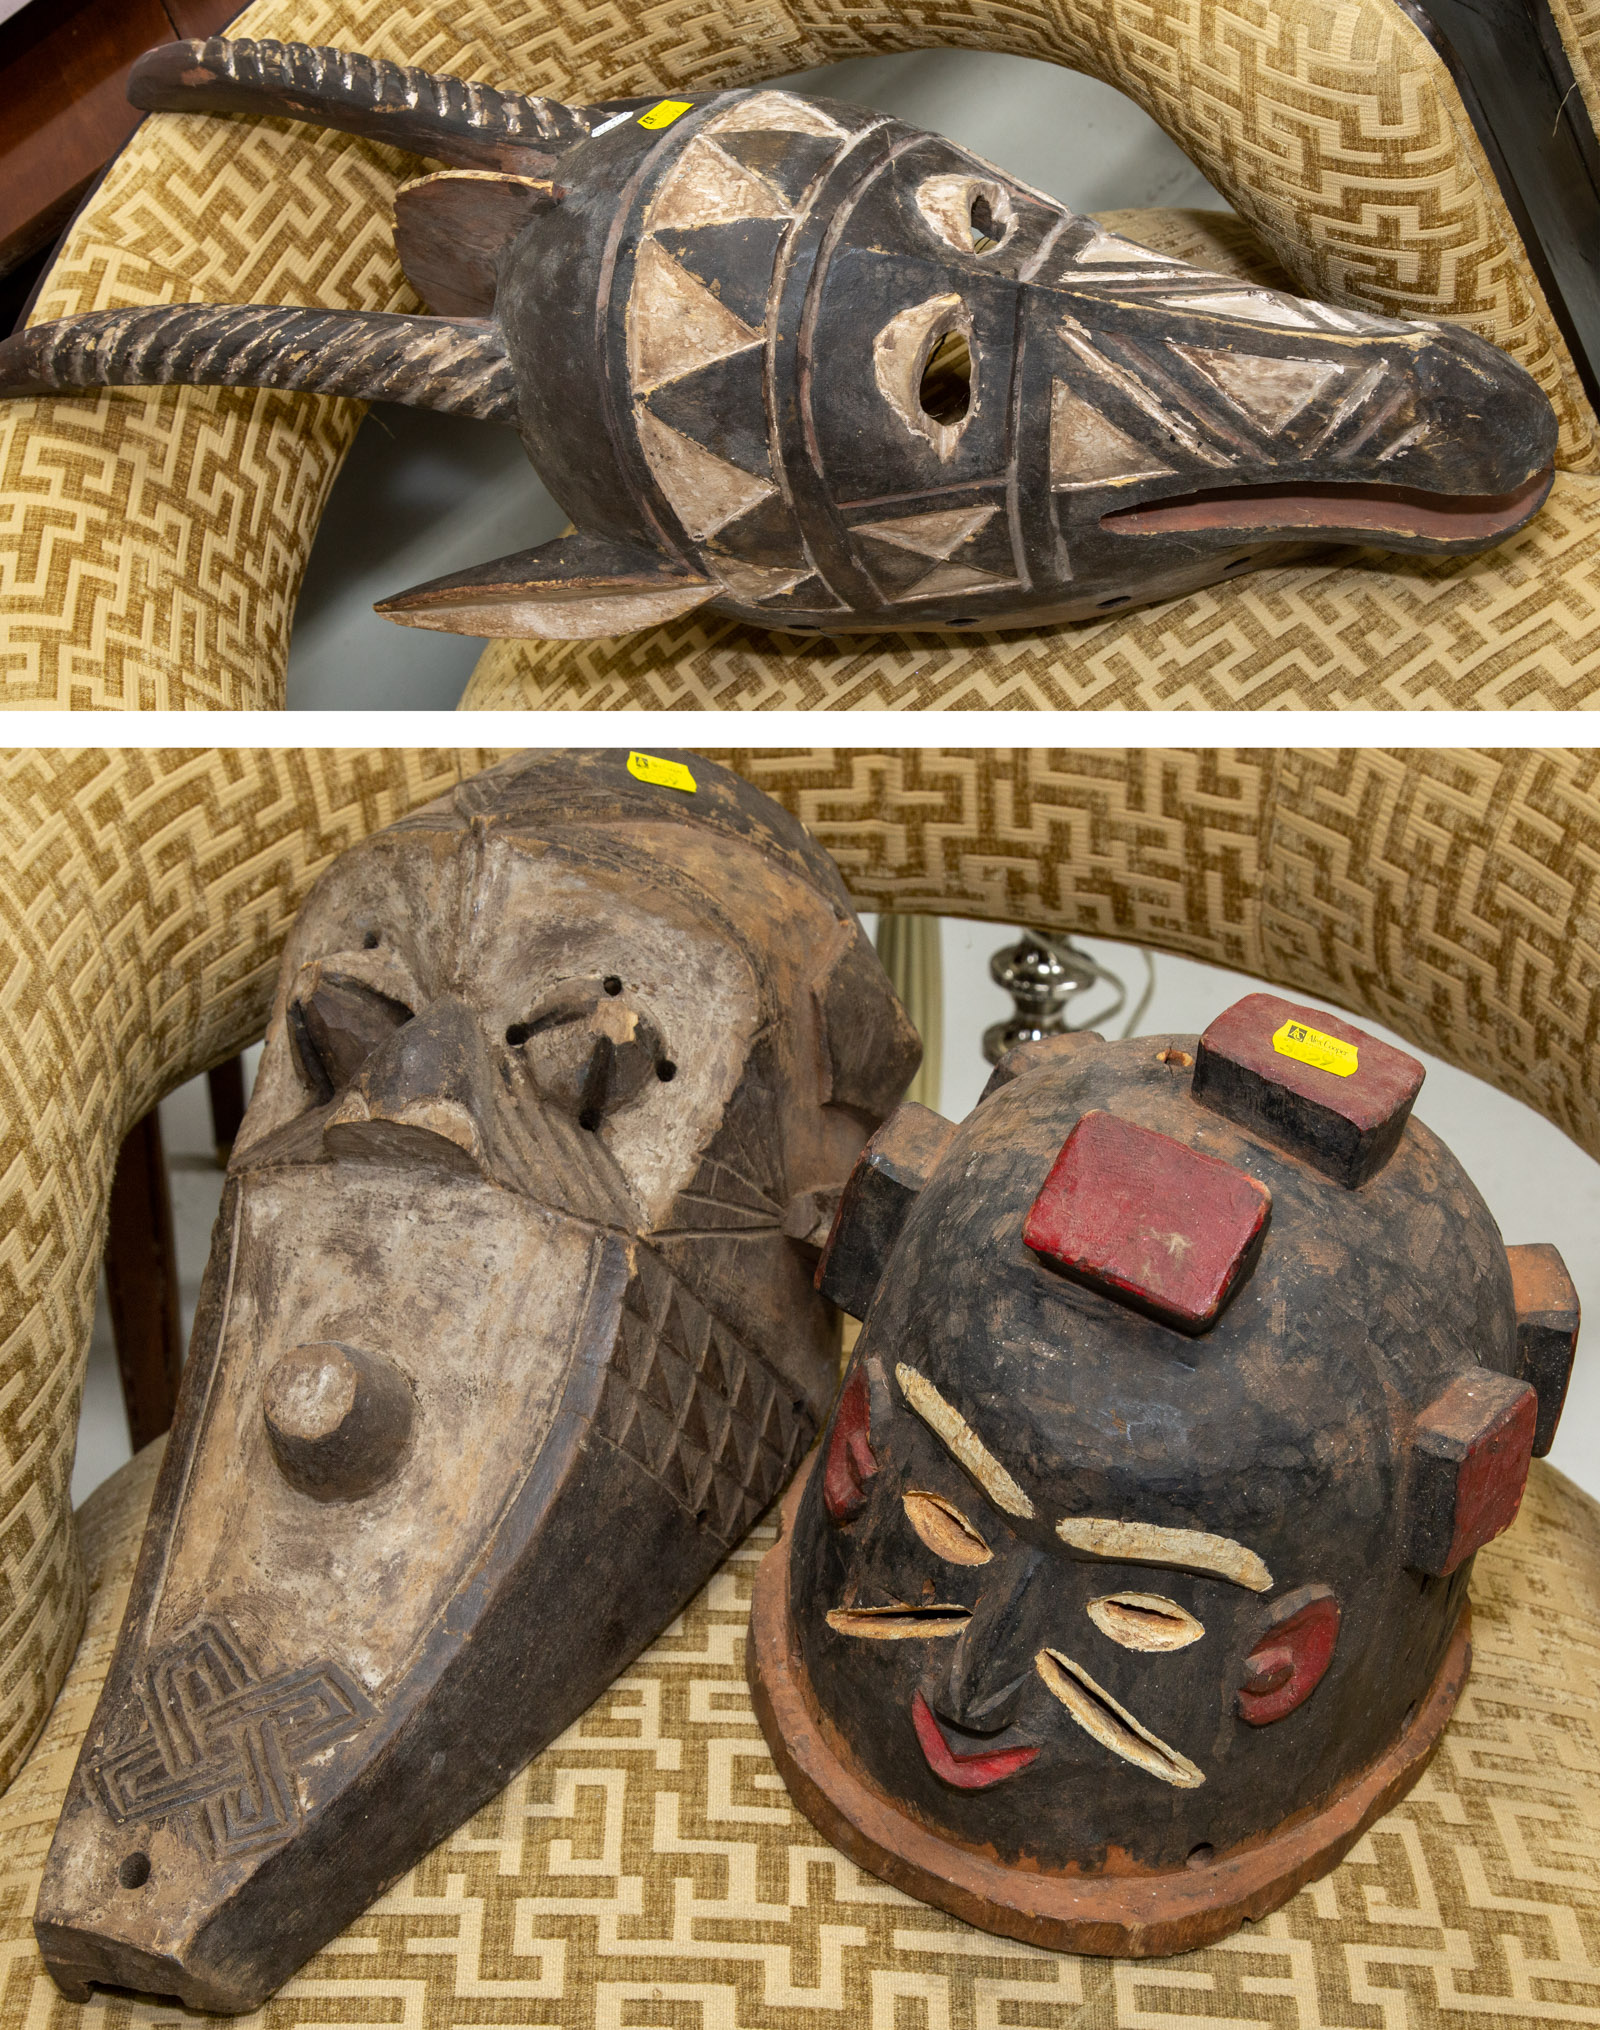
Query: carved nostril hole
point(612, 985)
point(666, 1070)
point(517, 1033)
point(946, 390)
point(371, 941)
point(590, 1119)
point(133, 1870)
point(1203, 1855)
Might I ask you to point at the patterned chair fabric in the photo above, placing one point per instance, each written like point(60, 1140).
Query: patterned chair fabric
point(151, 544)
point(1451, 895)
point(649, 1868)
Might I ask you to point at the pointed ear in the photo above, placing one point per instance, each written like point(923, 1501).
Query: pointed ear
point(450, 231)
point(577, 588)
point(870, 1051)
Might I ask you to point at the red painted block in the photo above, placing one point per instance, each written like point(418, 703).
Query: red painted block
point(1309, 1081)
point(1143, 1219)
point(1469, 1464)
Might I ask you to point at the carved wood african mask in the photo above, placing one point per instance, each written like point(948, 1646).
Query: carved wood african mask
point(811, 367)
point(508, 1334)
point(1130, 1581)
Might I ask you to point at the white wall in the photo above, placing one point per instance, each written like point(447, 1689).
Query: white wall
point(1539, 1185)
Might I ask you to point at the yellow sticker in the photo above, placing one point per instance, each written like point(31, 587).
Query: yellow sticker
point(1316, 1047)
point(665, 111)
point(671, 775)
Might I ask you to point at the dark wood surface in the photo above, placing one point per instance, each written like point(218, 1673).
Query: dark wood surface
point(63, 109)
point(142, 1283)
point(1134, 1914)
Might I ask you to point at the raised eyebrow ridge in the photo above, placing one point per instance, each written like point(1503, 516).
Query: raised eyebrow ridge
point(948, 1425)
point(1137, 1543)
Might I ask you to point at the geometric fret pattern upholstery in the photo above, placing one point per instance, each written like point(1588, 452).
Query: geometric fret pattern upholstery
point(649, 1868)
point(1452, 895)
point(151, 544)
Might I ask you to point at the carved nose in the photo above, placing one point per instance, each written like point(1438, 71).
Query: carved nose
point(338, 1419)
point(991, 1662)
point(418, 1096)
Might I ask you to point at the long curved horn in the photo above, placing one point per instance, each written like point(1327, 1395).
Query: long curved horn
point(468, 126)
point(454, 364)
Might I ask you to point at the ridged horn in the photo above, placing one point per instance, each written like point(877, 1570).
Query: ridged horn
point(451, 120)
point(456, 365)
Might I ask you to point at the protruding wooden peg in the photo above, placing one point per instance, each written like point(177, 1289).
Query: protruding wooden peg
point(338, 1419)
point(889, 1173)
point(1547, 1332)
point(1469, 1464)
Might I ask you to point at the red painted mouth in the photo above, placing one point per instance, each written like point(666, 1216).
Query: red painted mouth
point(1333, 508)
point(966, 1772)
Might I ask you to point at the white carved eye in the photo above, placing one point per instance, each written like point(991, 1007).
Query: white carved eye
point(926, 370)
point(1145, 1621)
point(973, 214)
point(945, 1530)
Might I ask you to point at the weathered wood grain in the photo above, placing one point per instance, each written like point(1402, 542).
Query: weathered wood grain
point(503, 1344)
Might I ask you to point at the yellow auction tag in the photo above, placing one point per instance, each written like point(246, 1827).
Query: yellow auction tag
point(665, 111)
point(673, 775)
point(1316, 1047)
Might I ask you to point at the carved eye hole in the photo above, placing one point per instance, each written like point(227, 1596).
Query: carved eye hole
point(334, 1027)
point(588, 1049)
point(1145, 1621)
point(973, 214)
point(945, 1530)
point(945, 391)
point(927, 370)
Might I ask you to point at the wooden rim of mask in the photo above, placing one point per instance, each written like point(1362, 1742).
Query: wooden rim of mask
point(1132, 1915)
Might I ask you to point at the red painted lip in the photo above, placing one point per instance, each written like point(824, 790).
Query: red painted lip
point(1336, 507)
point(966, 1772)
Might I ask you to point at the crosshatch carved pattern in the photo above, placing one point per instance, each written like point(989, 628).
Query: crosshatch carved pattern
point(1449, 894)
point(649, 1869)
point(222, 1742)
point(151, 544)
point(701, 1412)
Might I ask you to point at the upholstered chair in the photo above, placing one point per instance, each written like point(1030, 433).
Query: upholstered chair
point(649, 1868)
point(151, 543)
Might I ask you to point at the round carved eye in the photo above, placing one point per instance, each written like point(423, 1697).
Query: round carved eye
point(335, 1024)
point(1145, 1621)
point(945, 1530)
point(973, 214)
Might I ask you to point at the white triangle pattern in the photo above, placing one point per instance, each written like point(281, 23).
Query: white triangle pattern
point(929, 535)
point(708, 188)
point(675, 324)
point(1271, 392)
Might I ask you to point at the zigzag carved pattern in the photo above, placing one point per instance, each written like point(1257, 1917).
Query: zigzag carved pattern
point(649, 1867)
point(151, 545)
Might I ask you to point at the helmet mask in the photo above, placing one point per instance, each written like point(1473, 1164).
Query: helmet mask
point(821, 371)
point(1106, 1630)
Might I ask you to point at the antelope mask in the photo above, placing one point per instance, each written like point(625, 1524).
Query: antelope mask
point(816, 369)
